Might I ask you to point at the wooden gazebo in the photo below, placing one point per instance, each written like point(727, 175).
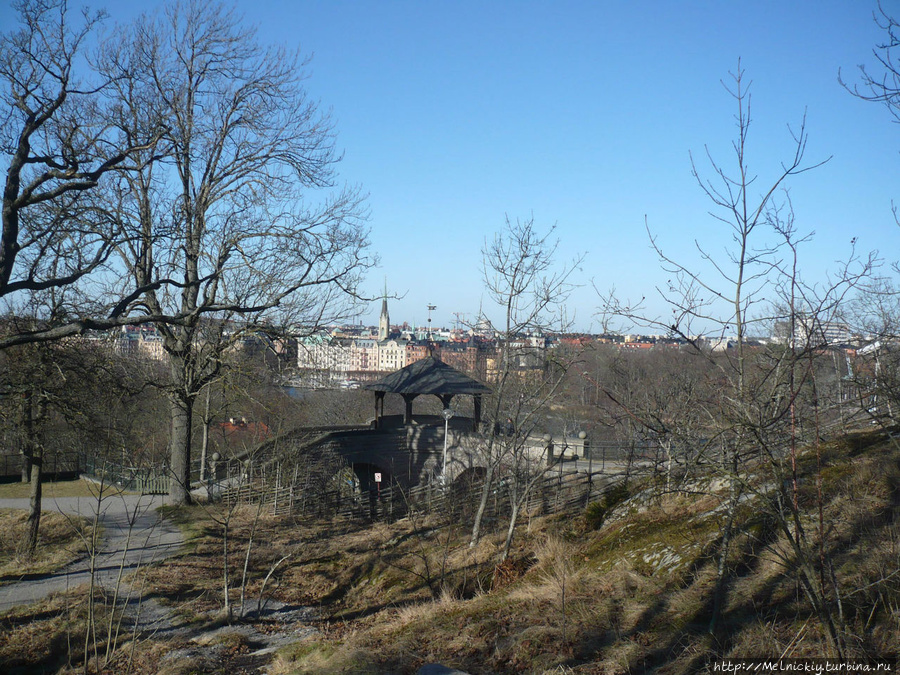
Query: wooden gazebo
point(427, 376)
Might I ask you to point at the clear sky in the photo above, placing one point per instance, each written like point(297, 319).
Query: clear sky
point(453, 115)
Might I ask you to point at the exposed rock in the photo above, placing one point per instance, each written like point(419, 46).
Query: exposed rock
point(666, 559)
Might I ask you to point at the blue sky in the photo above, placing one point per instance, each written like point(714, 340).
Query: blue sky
point(453, 115)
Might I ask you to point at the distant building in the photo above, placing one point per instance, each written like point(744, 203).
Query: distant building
point(813, 332)
point(332, 358)
point(810, 331)
point(364, 355)
point(391, 355)
point(416, 351)
point(143, 341)
point(384, 321)
point(464, 356)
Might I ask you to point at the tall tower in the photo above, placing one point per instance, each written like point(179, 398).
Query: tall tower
point(384, 322)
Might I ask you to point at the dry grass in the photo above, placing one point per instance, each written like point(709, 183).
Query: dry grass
point(35, 636)
point(47, 636)
point(627, 610)
point(60, 542)
point(638, 591)
point(52, 490)
point(426, 611)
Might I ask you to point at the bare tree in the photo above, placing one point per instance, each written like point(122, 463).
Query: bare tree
point(226, 237)
point(57, 146)
point(767, 406)
point(524, 280)
point(49, 394)
point(884, 86)
point(206, 220)
point(666, 395)
point(877, 308)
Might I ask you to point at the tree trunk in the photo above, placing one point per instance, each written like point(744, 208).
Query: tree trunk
point(812, 580)
point(510, 532)
point(482, 507)
point(668, 447)
point(204, 444)
point(181, 409)
point(33, 457)
point(26, 422)
point(26, 466)
point(722, 565)
point(36, 461)
point(225, 580)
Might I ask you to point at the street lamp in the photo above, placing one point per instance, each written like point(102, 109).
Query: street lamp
point(446, 413)
point(430, 336)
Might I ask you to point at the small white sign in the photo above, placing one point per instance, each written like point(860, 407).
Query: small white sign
point(377, 477)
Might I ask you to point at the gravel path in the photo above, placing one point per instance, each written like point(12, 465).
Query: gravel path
point(151, 539)
point(148, 539)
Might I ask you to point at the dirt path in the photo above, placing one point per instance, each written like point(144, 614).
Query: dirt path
point(134, 535)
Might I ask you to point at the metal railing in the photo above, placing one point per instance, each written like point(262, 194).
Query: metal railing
point(54, 464)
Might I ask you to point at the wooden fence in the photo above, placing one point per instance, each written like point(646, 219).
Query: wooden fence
point(144, 480)
point(554, 492)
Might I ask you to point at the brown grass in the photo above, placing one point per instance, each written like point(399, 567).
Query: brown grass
point(60, 541)
point(385, 606)
point(625, 611)
point(46, 636)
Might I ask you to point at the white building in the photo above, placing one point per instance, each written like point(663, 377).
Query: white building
point(812, 332)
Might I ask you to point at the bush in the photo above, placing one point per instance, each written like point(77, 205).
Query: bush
point(596, 512)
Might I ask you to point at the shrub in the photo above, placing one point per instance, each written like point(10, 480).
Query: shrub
point(596, 512)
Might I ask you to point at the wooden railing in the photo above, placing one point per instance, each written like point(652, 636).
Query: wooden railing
point(555, 492)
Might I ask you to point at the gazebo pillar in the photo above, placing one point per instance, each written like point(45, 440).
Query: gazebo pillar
point(408, 413)
point(446, 399)
point(477, 417)
point(379, 398)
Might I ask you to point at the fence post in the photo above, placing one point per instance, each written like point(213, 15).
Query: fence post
point(293, 487)
point(558, 488)
point(277, 487)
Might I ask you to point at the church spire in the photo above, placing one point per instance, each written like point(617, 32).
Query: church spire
point(384, 321)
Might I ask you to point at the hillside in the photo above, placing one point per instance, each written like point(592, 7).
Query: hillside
point(627, 585)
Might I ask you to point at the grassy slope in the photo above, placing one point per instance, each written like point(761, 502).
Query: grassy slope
point(60, 537)
point(579, 596)
point(638, 591)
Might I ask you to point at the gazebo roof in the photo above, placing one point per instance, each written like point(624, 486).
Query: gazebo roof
point(428, 376)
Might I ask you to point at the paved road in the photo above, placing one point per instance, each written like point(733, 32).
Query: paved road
point(150, 539)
